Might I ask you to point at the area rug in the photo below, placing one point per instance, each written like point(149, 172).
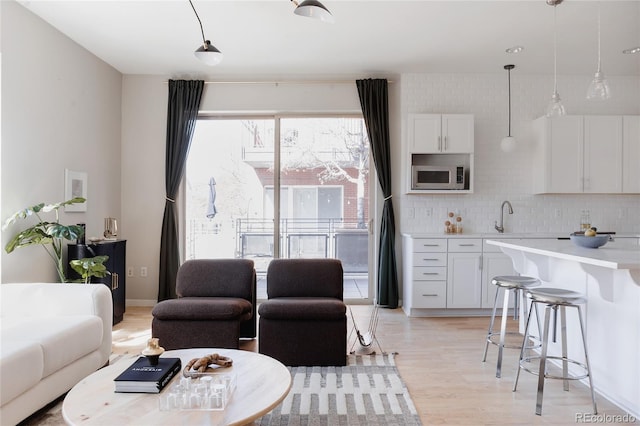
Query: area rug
point(368, 391)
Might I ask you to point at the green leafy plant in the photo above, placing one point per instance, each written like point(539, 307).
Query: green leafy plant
point(90, 267)
point(49, 235)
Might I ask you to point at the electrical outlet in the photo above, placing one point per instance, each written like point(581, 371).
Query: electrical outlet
point(143, 271)
point(428, 212)
point(558, 213)
point(411, 213)
point(130, 271)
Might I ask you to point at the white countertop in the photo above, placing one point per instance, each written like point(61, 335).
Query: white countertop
point(614, 255)
point(509, 235)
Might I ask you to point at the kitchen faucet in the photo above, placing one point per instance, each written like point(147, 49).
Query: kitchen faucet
point(500, 228)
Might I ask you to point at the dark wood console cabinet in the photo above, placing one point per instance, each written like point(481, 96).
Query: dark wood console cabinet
point(116, 250)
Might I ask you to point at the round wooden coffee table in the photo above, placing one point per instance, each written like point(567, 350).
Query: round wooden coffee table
point(262, 383)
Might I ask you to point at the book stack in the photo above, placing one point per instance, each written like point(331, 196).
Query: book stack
point(143, 377)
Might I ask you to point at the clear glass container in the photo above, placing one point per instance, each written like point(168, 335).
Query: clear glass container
point(585, 220)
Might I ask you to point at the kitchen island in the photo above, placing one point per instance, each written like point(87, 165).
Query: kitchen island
point(610, 278)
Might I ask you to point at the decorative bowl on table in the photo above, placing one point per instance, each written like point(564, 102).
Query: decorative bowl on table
point(589, 242)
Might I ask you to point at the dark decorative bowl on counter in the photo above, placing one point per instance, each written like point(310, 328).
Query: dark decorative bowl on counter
point(589, 242)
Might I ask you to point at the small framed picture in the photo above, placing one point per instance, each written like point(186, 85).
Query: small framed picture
point(75, 185)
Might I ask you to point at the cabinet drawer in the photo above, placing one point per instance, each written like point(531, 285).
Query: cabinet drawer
point(429, 274)
point(429, 294)
point(462, 245)
point(430, 259)
point(422, 245)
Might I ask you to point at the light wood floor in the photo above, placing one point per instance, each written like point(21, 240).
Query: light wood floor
point(440, 360)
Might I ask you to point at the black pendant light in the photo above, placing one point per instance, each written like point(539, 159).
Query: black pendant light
point(508, 143)
point(207, 52)
point(313, 9)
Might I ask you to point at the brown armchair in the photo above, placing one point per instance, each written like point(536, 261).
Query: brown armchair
point(216, 305)
point(304, 320)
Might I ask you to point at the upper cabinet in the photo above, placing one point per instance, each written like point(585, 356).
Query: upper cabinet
point(434, 142)
point(584, 154)
point(441, 133)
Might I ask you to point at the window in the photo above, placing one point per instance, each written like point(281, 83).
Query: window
point(323, 192)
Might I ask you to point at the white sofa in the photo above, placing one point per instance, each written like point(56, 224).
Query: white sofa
point(51, 337)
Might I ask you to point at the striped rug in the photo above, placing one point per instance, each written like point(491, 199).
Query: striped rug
point(368, 391)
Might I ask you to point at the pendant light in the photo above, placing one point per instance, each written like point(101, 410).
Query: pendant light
point(599, 88)
point(555, 107)
point(207, 53)
point(508, 144)
point(313, 9)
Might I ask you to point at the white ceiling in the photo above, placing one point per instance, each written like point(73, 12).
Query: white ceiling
point(369, 38)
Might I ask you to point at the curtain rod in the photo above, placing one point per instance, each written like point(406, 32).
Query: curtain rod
point(276, 82)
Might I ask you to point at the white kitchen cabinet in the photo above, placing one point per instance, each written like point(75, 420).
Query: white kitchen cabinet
point(464, 273)
point(494, 263)
point(424, 274)
point(440, 133)
point(450, 275)
point(578, 154)
point(631, 154)
point(602, 154)
point(439, 140)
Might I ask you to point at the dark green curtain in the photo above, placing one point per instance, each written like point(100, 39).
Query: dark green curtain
point(375, 109)
point(182, 114)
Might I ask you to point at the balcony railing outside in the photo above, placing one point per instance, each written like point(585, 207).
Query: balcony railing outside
point(299, 238)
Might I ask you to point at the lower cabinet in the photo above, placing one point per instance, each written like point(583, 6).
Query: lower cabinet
point(425, 266)
point(494, 263)
point(464, 273)
point(116, 250)
point(450, 273)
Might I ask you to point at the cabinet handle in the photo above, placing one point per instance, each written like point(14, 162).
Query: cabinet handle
point(467, 245)
point(114, 281)
point(431, 245)
point(430, 273)
point(446, 144)
point(430, 295)
point(439, 143)
point(432, 260)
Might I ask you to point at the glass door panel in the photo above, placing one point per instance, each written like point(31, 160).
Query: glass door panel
point(230, 163)
point(324, 164)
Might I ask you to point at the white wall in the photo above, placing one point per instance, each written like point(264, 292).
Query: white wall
point(503, 176)
point(60, 109)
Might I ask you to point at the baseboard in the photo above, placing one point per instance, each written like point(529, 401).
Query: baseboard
point(141, 302)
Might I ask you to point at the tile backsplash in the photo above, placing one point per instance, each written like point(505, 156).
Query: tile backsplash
point(500, 176)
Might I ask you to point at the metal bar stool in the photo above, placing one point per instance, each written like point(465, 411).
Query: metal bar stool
point(555, 298)
point(510, 283)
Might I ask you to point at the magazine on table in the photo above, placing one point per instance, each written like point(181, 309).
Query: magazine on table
point(142, 376)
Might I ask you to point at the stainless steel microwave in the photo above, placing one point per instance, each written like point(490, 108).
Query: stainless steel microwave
point(437, 177)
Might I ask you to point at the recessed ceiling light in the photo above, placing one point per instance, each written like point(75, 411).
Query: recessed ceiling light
point(632, 50)
point(515, 49)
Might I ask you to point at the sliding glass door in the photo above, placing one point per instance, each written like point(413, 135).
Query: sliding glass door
point(316, 169)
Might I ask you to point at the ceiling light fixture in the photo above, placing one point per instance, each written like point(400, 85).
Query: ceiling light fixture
point(207, 53)
point(599, 87)
point(508, 144)
point(313, 9)
point(555, 107)
point(515, 49)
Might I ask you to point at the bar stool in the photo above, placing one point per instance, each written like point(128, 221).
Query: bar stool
point(555, 298)
point(510, 283)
